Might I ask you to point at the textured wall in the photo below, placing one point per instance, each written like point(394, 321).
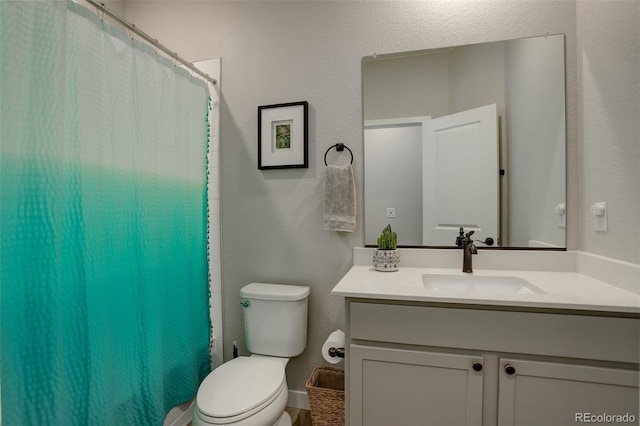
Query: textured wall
point(276, 52)
point(609, 72)
point(115, 5)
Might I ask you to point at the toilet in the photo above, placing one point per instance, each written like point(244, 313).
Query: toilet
point(253, 390)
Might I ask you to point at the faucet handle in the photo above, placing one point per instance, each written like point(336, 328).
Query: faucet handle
point(460, 237)
point(488, 241)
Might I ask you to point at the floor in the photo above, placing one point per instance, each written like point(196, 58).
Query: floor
point(298, 417)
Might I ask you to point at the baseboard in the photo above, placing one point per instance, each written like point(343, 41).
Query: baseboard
point(180, 415)
point(298, 399)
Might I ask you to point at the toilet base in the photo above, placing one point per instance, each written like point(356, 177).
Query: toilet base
point(261, 418)
point(284, 420)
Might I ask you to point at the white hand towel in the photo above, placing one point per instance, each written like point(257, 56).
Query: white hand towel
point(339, 199)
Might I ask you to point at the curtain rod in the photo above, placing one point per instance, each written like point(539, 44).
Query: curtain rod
point(174, 55)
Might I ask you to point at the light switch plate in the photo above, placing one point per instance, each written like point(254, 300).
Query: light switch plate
point(391, 212)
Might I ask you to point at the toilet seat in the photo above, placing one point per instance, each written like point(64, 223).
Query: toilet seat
point(239, 389)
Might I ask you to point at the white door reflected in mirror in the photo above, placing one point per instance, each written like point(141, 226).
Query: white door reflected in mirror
point(460, 176)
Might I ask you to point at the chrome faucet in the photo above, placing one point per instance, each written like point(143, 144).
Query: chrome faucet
point(468, 248)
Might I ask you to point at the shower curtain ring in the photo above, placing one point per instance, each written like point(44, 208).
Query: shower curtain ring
point(100, 12)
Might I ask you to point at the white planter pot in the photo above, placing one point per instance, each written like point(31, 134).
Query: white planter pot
point(386, 260)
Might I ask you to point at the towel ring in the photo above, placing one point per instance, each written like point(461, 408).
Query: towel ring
point(339, 147)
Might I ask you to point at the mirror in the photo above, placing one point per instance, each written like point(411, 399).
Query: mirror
point(470, 136)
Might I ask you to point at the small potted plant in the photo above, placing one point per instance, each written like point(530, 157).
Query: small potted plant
point(386, 257)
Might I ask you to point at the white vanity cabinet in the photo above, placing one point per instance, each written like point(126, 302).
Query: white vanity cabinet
point(418, 384)
point(543, 393)
point(413, 363)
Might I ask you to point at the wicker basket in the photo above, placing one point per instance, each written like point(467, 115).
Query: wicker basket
point(325, 389)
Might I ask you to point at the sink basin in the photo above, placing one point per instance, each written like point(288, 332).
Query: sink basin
point(478, 284)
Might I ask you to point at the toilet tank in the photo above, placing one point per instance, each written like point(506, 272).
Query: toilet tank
point(275, 318)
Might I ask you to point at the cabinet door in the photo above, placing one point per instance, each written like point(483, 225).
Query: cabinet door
point(540, 393)
point(400, 387)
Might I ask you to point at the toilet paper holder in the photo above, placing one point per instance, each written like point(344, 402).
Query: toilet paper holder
point(336, 352)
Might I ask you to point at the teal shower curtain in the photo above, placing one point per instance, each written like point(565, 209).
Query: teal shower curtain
point(104, 290)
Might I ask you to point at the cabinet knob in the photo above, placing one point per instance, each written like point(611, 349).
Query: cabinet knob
point(509, 369)
point(477, 366)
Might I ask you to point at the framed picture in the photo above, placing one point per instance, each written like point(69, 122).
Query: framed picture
point(283, 137)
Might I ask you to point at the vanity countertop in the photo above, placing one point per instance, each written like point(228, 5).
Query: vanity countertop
point(561, 290)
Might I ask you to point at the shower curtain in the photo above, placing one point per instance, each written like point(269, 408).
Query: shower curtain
point(104, 292)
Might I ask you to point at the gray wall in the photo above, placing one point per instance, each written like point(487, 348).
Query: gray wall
point(288, 51)
point(406, 86)
point(477, 77)
point(609, 161)
point(393, 179)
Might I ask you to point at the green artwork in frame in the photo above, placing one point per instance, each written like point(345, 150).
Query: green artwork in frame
point(282, 134)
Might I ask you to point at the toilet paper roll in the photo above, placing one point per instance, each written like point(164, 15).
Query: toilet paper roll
point(335, 340)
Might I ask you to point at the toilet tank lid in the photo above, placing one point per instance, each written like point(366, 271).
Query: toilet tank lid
point(263, 291)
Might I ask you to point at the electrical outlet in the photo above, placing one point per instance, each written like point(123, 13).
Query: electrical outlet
point(391, 212)
point(561, 211)
point(599, 212)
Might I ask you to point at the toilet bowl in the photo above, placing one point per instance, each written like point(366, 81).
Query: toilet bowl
point(245, 391)
point(253, 390)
